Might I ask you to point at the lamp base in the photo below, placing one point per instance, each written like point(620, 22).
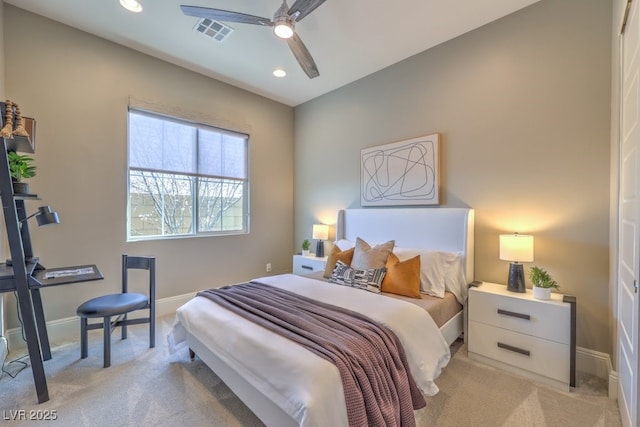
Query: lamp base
point(320, 249)
point(516, 278)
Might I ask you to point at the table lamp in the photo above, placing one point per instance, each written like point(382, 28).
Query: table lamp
point(516, 248)
point(320, 232)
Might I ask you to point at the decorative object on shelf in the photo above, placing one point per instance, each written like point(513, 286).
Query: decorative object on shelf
point(19, 130)
point(401, 173)
point(306, 244)
point(21, 167)
point(7, 129)
point(321, 233)
point(516, 248)
point(542, 283)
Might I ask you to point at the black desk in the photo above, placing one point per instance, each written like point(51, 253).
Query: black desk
point(41, 277)
point(44, 277)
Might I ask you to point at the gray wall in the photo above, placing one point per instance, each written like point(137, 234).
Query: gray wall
point(77, 86)
point(523, 108)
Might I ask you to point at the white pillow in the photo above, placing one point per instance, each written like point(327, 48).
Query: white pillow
point(344, 244)
point(440, 271)
point(456, 281)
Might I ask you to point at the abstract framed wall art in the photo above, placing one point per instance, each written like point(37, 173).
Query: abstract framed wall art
point(401, 173)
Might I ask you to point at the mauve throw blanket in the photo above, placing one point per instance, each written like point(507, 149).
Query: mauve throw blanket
point(378, 387)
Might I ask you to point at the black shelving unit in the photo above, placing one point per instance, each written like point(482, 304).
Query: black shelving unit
point(17, 276)
point(25, 275)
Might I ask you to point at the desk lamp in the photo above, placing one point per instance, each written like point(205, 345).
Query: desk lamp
point(320, 232)
point(516, 248)
point(44, 216)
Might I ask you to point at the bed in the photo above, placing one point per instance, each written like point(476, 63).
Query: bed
point(284, 384)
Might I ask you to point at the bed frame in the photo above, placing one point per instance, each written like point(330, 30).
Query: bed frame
point(449, 229)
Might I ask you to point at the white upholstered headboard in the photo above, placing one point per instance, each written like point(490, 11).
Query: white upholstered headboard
point(445, 229)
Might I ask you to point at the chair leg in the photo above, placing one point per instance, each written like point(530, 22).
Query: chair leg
point(124, 327)
point(152, 331)
point(83, 338)
point(107, 341)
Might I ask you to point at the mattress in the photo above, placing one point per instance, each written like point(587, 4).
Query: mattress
point(440, 309)
point(269, 362)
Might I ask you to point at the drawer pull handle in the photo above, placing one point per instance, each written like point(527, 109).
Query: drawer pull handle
point(307, 267)
point(514, 314)
point(514, 349)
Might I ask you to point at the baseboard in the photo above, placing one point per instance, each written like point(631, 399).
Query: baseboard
point(613, 385)
point(599, 365)
point(4, 350)
point(68, 329)
point(593, 362)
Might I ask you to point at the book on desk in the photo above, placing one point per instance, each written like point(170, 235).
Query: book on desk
point(66, 275)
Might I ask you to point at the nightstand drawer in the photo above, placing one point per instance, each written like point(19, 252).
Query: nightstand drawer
point(540, 356)
point(308, 264)
point(544, 319)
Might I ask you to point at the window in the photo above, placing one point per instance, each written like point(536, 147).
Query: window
point(185, 179)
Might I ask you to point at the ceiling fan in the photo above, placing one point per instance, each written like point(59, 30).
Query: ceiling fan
point(283, 24)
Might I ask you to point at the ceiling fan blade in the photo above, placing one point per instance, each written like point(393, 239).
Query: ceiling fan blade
point(225, 15)
point(304, 7)
point(303, 56)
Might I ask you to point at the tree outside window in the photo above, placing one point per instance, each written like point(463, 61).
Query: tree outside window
point(185, 179)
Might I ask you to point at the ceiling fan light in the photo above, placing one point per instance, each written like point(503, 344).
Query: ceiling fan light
point(131, 5)
point(283, 29)
point(279, 72)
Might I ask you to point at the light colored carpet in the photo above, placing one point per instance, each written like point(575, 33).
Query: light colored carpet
point(149, 387)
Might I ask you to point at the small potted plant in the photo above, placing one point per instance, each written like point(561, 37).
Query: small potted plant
point(21, 167)
point(306, 244)
point(542, 283)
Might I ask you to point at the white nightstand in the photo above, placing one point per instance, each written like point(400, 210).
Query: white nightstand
point(530, 337)
point(305, 264)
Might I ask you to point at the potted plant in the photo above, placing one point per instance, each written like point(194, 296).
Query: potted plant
point(21, 167)
point(306, 244)
point(542, 283)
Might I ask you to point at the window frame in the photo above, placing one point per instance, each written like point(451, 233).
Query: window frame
point(195, 177)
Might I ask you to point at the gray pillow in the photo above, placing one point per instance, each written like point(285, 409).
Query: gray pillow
point(367, 257)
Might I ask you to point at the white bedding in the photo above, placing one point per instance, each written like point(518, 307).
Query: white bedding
point(306, 386)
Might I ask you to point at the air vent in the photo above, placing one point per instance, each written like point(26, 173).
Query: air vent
point(213, 29)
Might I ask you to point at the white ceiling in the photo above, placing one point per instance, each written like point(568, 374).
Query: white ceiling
point(347, 39)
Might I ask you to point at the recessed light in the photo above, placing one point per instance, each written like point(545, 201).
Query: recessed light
point(131, 5)
point(279, 72)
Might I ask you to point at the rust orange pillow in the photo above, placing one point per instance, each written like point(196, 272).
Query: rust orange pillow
point(402, 278)
point(335, 256)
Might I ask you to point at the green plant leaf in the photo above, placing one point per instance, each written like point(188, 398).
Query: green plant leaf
point(541, 278)
point(20, 166)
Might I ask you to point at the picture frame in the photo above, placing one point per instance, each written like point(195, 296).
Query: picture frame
point(401, 173)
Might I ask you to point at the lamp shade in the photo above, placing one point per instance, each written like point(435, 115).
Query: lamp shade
point(46, 216)
point(320, 232)
point(516, 247)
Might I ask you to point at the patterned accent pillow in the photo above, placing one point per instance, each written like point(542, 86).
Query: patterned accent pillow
point(335, 256)
point(367, 279)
